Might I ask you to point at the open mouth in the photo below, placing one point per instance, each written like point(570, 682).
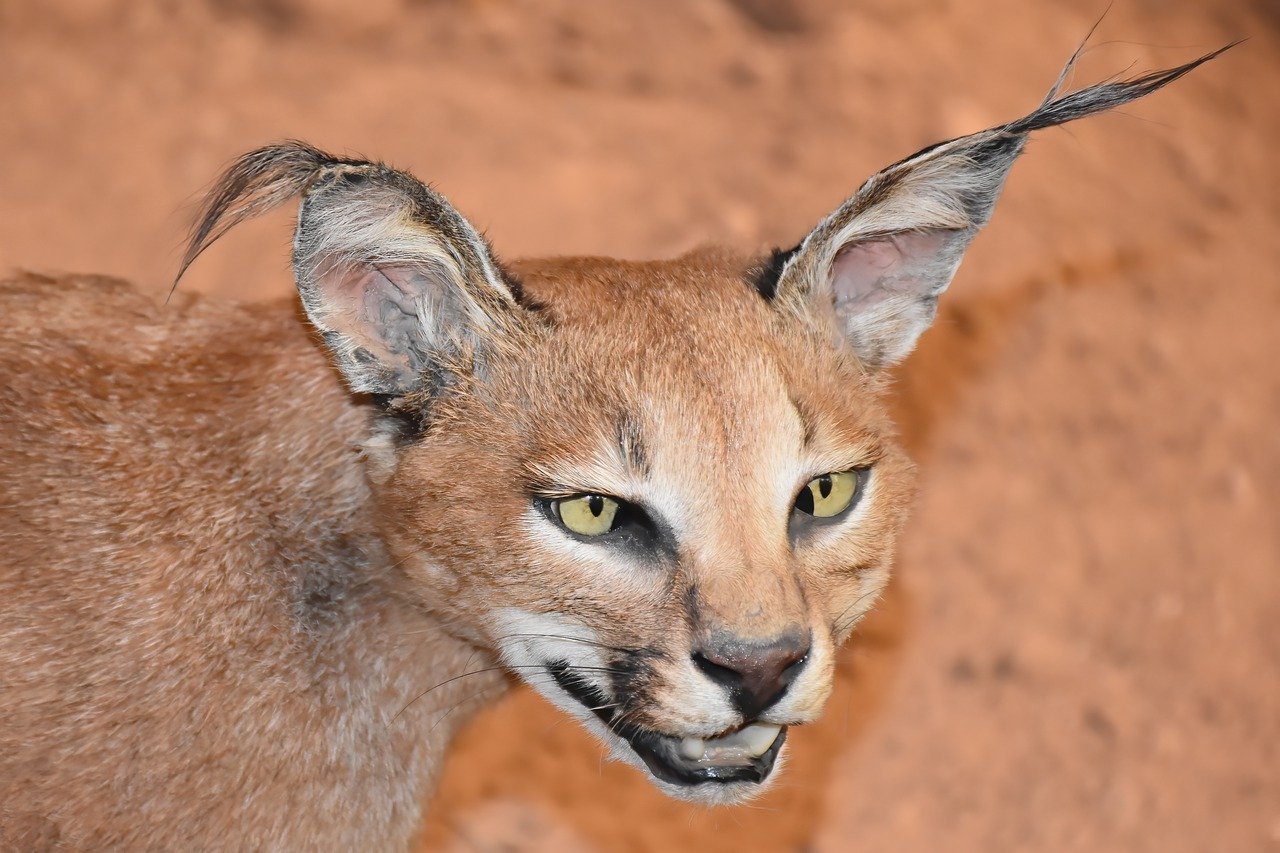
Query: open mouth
point(745, 755)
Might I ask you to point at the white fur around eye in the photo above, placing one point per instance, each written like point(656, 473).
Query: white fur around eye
point(610, 573)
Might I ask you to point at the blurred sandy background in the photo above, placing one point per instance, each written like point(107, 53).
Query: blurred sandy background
point(1082, 648)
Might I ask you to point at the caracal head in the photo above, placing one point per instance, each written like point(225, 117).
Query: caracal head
point(663, 493)
point(664, 505)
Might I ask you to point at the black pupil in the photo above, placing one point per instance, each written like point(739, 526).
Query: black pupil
point(595, 503)
point(824, 485)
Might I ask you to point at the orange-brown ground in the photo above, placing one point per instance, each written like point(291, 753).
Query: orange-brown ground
point(1082, 648)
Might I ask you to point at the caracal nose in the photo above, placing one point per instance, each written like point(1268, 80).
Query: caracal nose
point(756, 674)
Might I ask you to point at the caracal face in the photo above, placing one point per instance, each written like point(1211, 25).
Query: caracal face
point(676, 390)
point(663, 493)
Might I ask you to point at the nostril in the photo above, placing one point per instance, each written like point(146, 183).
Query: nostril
point(717, 672)
point(792, 669)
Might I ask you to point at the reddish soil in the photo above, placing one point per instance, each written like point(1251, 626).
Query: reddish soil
point(1081, 649)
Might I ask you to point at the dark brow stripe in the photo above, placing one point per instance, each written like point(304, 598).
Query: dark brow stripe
point(631, 442)
point(806, 419)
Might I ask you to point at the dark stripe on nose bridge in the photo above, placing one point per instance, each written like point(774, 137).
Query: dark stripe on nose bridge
point(691, 603)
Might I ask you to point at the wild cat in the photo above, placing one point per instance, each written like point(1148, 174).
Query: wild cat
point(246, 599)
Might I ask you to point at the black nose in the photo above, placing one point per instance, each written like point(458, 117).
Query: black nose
point(755, 674)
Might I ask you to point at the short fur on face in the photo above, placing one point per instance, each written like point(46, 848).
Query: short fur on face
point(708, 409)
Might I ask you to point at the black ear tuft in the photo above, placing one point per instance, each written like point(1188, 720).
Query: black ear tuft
point(255, 183)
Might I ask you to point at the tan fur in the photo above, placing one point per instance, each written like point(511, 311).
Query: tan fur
point(202, 640)
point(202, 635)
point(243, 608)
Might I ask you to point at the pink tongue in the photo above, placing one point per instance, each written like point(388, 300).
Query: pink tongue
point(726, 758)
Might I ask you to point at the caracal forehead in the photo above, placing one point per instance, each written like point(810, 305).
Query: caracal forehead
point(715, 396)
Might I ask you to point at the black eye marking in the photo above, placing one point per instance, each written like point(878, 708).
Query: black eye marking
point(804, 500)
point(634, 528)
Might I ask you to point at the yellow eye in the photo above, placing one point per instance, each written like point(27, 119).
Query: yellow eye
point(588, 515)
point(828, 495)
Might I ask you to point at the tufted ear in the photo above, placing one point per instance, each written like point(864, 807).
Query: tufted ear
point(396, 280)
point(874, 268)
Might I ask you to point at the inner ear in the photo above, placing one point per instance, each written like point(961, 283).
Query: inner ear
point(881, 268)
point(884, 290)
point(391, 313)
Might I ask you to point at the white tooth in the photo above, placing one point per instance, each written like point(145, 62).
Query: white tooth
point(693, 748)
point(756, 738)
point(749, 742)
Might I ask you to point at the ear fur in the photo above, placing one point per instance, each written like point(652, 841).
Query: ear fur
point(393, 277)
point(874, 268)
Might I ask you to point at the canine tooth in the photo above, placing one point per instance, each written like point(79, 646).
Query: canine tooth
point(756, 738)
point(749, 742)
point(693, 748)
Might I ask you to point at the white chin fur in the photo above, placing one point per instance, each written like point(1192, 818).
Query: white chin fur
point(719, 793)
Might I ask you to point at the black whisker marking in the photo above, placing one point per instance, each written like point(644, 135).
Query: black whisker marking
point(502, 668)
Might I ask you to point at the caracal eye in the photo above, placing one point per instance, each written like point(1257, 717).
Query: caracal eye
point(828, 495)
point(588, 515)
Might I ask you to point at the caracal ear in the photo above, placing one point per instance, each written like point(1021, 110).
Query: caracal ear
point(874, 268)
point(394, 278)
